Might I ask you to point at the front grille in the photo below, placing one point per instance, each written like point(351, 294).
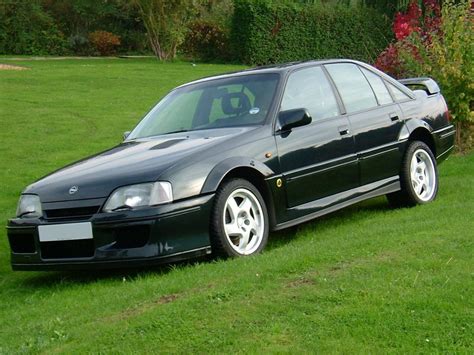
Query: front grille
point(83, 248)
point(22, 243)
point(71, 213)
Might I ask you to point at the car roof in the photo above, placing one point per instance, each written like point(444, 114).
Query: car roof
point(273, 68)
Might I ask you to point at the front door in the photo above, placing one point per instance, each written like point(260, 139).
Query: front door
point(317, 160)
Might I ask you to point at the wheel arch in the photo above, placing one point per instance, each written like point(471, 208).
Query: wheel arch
point(421, 131)
point(423, 135)
point(247, 169)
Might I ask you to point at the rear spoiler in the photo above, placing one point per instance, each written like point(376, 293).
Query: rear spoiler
point(426, 84)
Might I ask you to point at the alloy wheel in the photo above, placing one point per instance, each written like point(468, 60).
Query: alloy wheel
point(244, 223)
point(422, 174)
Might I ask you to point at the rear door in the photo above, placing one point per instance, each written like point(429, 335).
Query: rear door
point(317, 160)
point(374, 118)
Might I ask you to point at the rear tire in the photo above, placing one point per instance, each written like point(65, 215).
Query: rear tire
point(239, 220)
point(418, 177)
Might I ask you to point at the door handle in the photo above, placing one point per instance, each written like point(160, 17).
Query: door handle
point(394, 117)
point(343, 130)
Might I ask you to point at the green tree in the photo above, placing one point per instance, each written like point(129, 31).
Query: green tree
point(166, 23)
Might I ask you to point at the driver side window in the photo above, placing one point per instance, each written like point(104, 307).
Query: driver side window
point(310, 89)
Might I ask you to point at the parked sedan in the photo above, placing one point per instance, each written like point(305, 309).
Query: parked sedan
point(220, 162)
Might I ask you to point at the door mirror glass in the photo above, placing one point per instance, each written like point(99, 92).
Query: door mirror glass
point(126, 134)
point(290, 119)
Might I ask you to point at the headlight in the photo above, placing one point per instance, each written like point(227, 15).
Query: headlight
point(29, 206)
point(148, 194)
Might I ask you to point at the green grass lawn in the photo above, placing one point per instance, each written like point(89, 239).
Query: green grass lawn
point(364, 279)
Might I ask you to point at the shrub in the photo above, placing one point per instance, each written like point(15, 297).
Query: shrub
point(265, 31)
point(25, 28)
point(77, 18)
point(104, 42)
point(206, 41)
point(80, 45)
point(439, 44)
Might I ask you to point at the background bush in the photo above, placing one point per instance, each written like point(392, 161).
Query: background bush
point(207, 38)
point(25, 28)
point(62, 26)
point(438, 42)
point(207, 41)
point(104, 42)
point(265, 31)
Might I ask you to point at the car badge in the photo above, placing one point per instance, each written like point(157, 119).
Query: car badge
point(73, 190)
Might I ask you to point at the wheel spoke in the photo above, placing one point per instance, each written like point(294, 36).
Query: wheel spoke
point(426, 178)
point(233, 229)
point(414, 164)
point(233, 208)
point(246, 205)
point(418, 188)
point(422, 167)
point(424, 187)
point(244, 240)
point(252, 225)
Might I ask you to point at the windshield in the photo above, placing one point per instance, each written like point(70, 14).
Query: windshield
point(230, 102)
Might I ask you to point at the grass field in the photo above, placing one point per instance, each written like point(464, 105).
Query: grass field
point(365, 279)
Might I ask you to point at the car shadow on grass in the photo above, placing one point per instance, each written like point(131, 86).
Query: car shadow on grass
point(361, 210)
point(59, 279)
point(278, 239)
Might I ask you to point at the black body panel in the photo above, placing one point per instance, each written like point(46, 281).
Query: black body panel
point(324, 164)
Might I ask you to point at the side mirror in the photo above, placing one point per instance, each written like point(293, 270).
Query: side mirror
point(126, 134)
point(293, 118)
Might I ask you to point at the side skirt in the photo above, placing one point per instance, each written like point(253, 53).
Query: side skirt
point(386, 189)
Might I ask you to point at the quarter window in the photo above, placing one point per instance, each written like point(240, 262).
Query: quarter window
point(353, 87)
point(310, 89)
point(381, 91)
point(398, 94)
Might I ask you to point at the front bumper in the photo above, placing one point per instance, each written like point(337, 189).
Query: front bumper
point(140, 237)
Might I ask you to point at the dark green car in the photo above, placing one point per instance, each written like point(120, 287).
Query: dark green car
point(220, 162)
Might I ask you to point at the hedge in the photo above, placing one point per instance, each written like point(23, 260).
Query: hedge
point(265, 31)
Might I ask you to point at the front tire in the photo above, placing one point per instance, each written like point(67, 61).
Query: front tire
point(239, 220)
point(418, 177)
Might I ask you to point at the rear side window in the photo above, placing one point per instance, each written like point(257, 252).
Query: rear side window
point(380, 90)
point(353, 87)
point(310, 89)
point(398, 94)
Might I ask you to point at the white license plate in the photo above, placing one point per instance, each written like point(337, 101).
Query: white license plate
point(70, 231)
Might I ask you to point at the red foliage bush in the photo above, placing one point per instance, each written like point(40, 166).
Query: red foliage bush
point(425, 23)
point(104, 42)
point(406, 23)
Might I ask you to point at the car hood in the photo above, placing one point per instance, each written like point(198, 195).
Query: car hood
point(128, 163)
